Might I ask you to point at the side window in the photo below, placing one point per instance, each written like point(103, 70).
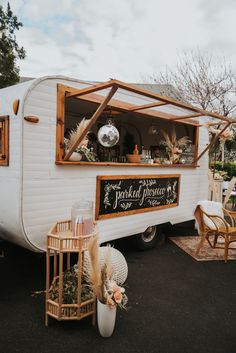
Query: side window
point(4, 140)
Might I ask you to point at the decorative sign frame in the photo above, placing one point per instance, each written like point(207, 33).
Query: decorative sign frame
point(121, 195)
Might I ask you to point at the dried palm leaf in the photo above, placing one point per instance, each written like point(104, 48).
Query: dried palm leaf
point(95, 268)
point(167, 141)
point(173, 138)
point(173, 142)
point(77, 132)
point(107, 261)
point(183, 141)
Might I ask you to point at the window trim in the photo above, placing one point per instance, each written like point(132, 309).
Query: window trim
point(62, 92)
point(4, 131)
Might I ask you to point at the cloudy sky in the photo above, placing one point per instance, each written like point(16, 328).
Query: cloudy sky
point(122, 39)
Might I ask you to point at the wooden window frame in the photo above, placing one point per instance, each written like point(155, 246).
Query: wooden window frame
point(64, 91)
point(104, 178)
point(4, 131)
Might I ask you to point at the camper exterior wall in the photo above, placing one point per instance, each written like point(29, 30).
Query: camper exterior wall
point(10, 176)
point(49, 190)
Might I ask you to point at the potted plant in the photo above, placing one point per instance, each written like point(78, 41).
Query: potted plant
point(174, 146)
point(82, 152)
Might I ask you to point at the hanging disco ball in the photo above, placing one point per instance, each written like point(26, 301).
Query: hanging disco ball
point(108, 135)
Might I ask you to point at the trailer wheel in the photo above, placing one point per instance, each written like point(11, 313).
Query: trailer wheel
point(148, 239)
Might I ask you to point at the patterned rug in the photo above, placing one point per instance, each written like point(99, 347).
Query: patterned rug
point(206, 253)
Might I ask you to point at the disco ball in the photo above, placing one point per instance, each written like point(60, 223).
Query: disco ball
point(108, 135)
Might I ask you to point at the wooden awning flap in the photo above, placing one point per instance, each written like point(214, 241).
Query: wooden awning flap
point(136, 99)
point(127, 97)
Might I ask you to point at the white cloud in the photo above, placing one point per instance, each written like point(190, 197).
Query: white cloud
point(119, 38)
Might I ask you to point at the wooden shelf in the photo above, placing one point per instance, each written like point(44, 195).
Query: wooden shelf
point(61, 243)
point(104, 164)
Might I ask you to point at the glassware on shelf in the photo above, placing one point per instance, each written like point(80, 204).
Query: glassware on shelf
point(143, 156)
point(121, 159)
point(149, 157)
point(146, 157)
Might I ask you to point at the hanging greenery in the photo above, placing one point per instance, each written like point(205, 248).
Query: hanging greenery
point(70, 287)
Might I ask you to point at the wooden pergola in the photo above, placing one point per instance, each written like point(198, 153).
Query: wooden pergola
point(120, 95)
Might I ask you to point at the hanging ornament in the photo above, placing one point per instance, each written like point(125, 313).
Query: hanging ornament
point(153, 130)
point(108, 135)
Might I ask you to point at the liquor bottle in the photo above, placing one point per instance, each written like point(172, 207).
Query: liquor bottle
point(135, 151)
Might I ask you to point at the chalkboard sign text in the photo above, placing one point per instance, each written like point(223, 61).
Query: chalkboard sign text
point(129, 194)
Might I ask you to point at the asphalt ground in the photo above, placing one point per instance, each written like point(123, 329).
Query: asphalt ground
point(176, 304)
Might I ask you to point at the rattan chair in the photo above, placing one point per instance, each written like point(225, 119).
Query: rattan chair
point(212, 221)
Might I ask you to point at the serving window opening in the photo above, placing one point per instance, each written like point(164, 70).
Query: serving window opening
point(115, 127)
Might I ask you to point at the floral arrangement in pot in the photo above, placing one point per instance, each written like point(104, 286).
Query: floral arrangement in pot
point(175, 147)
point(109, 293)
point(82, 152)
point(220, 175)
point(225, 135)
point(106, 289)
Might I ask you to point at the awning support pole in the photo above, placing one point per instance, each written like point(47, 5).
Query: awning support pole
point(93, 119)
point(212, 142)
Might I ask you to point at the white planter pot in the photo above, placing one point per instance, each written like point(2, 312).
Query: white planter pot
point(75, 157)
point(106, 318)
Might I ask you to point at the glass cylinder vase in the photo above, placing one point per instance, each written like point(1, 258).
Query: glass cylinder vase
point(82, 218)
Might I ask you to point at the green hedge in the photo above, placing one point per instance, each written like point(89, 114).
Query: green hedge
point(229, 168)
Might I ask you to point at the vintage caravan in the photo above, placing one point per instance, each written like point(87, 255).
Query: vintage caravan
point(133, 166)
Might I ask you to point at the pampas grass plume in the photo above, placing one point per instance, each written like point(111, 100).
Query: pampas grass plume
point(77, 132)
point(95, 268)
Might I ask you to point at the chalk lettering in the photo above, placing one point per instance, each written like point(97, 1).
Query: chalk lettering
point(126, 195)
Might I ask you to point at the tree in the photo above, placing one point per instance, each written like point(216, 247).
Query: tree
point(9, 49)
point(203, 80)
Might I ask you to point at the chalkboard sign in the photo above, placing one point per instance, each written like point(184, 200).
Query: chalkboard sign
point(120, 195)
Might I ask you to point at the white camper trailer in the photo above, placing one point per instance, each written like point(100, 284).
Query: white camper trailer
point(40, 180)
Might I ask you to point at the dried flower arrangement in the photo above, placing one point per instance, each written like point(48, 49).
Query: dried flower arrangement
point(175, 146)
point(82, 148)
point(220, 175)
point(226, 135)
point(104, 286)
point(76, 133)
